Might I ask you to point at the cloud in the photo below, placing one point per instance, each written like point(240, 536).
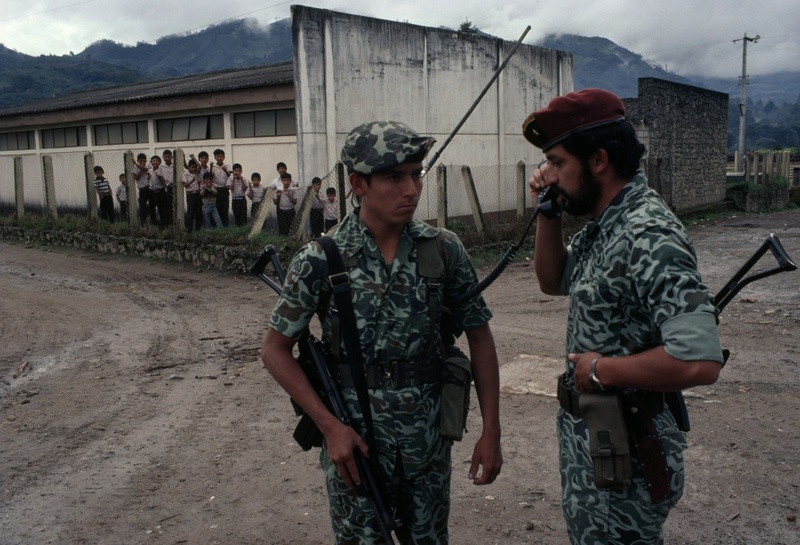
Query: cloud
point(684, 36)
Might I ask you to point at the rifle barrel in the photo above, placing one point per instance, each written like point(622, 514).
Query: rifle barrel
point(439, 151)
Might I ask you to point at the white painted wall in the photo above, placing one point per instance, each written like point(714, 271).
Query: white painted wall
point(351, 69)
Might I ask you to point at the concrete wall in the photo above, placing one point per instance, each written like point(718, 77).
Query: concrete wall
point(685, 130)
point(351, 69)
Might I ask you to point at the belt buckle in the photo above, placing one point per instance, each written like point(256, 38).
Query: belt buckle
point(389, 372)
point(395, 375)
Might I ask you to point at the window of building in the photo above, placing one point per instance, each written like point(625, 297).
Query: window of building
point(264, 123)
point(134, 132)
point(204, 127)
point(64, 137)
point(13, 141)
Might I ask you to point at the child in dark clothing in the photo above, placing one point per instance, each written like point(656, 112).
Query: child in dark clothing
point(317, 208)
point(103, 189)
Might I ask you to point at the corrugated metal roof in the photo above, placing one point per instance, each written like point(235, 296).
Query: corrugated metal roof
point(210, 82)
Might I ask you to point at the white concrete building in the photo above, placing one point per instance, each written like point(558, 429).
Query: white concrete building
point(346, 70)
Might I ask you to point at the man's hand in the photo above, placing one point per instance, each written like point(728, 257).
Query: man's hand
point(487, 456)
point(583, 364)
point(537, 182)
point(341, 441)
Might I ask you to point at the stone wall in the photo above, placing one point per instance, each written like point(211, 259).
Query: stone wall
point(224, 258)
point(687, 139)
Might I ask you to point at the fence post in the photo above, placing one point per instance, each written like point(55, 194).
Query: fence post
point(301, 219)
point(441, 196)
point(91, 194)
point(474, 203)
point(758, 167)
point(48, 174)
point(786, 161)
point(263, 211)
point(521, 186)
point(133, 194)
point(19, 188)
point(179, 192)
point(770, 166)
point(340, 182)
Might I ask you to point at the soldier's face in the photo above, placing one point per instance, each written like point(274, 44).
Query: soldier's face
point(392, 194)
point(580, 192)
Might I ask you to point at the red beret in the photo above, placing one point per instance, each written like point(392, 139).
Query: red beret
point(579, 110)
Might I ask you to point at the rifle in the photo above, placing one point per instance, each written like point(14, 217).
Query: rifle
point(739, 280)
point(312, 361)
point(675, 400)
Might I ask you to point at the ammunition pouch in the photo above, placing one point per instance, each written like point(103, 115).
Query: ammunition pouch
point(456, 379)
point(306, 433)
point(616, 424)
point(608, 439)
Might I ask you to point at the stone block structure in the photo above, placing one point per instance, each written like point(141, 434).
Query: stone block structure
point(685, 131)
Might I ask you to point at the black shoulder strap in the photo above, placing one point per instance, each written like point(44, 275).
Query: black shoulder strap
point(432, 266)
point(339, 281)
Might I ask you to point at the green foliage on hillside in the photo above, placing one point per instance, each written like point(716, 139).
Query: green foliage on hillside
point(599, 62)
point(25, 79)
point(235, 44)
point(38, 78)
point(768, 126)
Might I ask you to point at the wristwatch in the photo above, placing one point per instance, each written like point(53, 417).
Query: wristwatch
point(593, 379)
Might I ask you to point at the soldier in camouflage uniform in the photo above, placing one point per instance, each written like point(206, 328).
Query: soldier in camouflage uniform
point(639, 315)
point(378, 243)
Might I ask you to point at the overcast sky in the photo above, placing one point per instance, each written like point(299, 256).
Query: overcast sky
point(684, 36)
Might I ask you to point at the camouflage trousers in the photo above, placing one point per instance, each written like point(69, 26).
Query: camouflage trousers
point(610, 517)
point(422, 503)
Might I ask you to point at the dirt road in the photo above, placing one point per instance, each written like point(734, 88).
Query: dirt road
point(134, 409)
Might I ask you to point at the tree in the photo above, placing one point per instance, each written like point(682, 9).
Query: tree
point(468, 28)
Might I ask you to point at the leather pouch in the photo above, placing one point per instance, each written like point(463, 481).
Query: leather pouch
point(608, 439)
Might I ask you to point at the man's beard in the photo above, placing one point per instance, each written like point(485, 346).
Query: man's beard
point(586, 198)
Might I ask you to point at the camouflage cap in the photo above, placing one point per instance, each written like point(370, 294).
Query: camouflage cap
point(380, 145)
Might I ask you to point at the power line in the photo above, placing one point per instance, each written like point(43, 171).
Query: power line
point(48, 10)
point(240, 15)
point(694, 46)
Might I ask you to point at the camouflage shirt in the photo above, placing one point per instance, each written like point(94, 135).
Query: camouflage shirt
point(633, 283)
point(391, 307)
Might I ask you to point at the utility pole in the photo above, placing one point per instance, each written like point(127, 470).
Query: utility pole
point(743, 100)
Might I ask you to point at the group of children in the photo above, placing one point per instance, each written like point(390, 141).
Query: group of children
point(212, 189)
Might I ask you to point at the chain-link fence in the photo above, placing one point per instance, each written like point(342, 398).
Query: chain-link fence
point(473, 199)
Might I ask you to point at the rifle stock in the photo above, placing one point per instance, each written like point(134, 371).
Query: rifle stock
point(312, 361)
point(675, 400)
point(735, 284)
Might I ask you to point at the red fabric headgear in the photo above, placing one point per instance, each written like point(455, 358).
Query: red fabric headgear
point(578, 110)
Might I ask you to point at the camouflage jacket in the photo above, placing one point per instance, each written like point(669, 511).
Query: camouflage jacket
point(391, 307)
point(633, 283)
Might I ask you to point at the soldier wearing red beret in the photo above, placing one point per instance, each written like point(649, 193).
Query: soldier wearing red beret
point(641, 325)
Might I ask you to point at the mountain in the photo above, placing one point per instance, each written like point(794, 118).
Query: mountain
point(26, 79)
point(599, 62)
point(235, 44)
point(773, 101)
point(780, 88)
